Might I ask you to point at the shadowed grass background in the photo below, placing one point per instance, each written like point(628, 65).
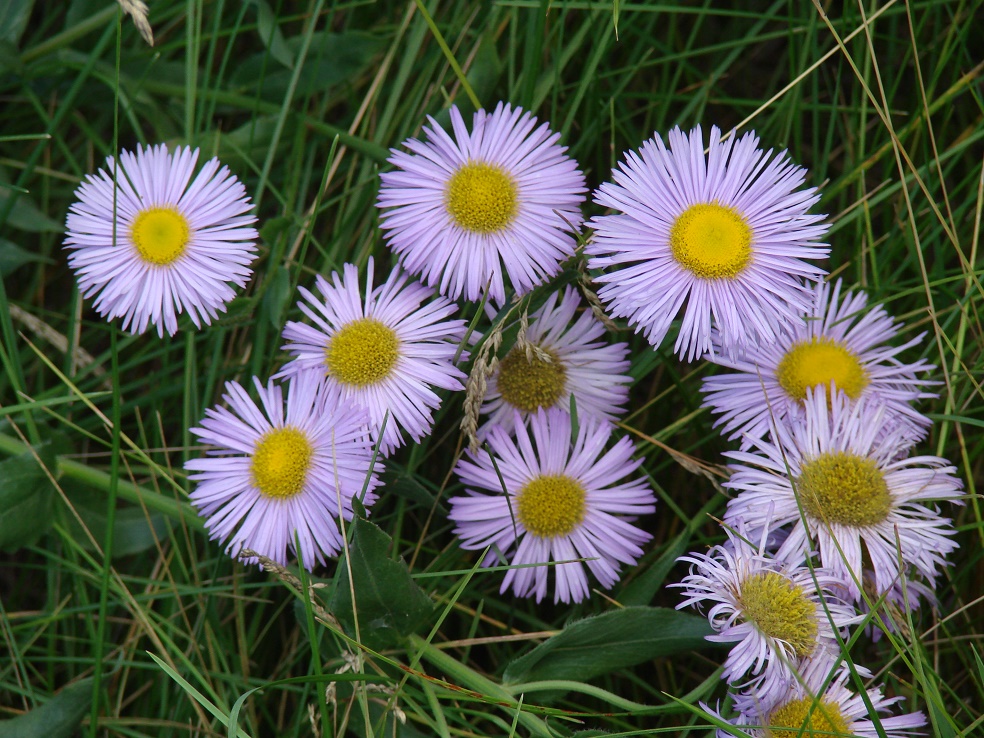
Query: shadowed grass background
point(104, 562)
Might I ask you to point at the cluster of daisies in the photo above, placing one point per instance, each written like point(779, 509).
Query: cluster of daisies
point(832, 514)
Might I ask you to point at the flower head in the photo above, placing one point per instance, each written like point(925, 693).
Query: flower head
point(277, 472)
point(460, 210)
point(573, 362)
point(722, 238)
point(386, 352)
point(561, 502)
point(848, 486)
point(816, 704)
point(149, 243)
point(835, 341)
point(776, 614)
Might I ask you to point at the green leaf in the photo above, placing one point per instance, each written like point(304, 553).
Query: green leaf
point(389, 603)
point(275, 298)
point(270, 35)
point(642, 589)
point(26, 499)
point(486, 68)
point(649, 579)
point(13, 256)
point(610, 641)
point(333, 59)
point(24, 214)
point(406, 485)
point(133, 529)
point(13, 19)
point(56, 718)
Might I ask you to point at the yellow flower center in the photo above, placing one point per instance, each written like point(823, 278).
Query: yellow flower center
point(363, 352)
point(780, 610)
point(817, 362)
point(160, 235)
point(281, 461)
point(481, 198)
point(712, 241)
point(530, 385)
point(807, 718)
point(843, 488)
point(551, 505)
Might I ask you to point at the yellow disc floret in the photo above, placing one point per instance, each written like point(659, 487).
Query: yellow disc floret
point(844, 488)
point(551, 505)
point(362, 352)
point(529, 385)
point(712, 241)
point(817, 363)
point(807, 718)
point(780, 609)
point(481, 198)
point(281, 461)
point(160, 235)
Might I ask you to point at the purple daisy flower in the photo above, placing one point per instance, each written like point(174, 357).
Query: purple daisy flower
point(722, 237)
point(275, 473)
point(461, 210)
point(386, 352)
point(842, 483)
point(776, 614)
point(561, 502)
point(594, 372)
point(835, 341)
point(816, 704)
point(167, 244)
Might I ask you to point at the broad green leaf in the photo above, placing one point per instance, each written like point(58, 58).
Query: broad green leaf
point(610, 641)
point(389, 603)
point(406, 486)
point(25, 215)
point(57, 718)
point(133, 530)
point(13, 19)
point(10, 60)
point(275, 298)
point(26, 499)
point(13, 256)
point(332, 59)
point(270, 35)
point(485, 69)
point(250, 141)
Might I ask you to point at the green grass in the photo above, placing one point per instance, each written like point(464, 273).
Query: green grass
point(112, 577)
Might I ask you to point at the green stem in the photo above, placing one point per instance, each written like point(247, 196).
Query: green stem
point(569, 686)
point(101, 480)
point(461, 674)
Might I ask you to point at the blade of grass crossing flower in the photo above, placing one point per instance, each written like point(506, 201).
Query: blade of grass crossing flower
point(313, 635)
point(114, 463)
